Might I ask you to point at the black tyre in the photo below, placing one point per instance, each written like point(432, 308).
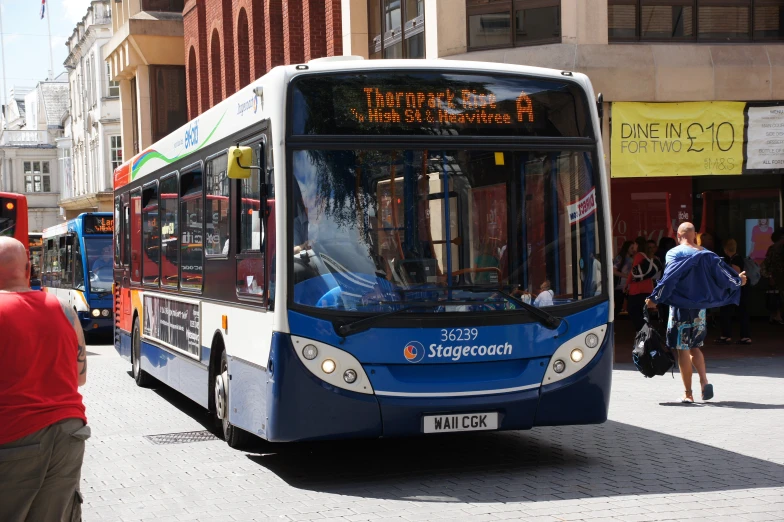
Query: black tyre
point(235, 437)
point(142, 378)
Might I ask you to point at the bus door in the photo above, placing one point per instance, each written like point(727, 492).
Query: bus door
point(122, 258)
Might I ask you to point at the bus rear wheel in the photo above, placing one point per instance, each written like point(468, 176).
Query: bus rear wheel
point(142, 378)
point(234, 436)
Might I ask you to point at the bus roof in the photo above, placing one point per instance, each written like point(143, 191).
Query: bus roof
point(72, 224)
point(246, 107)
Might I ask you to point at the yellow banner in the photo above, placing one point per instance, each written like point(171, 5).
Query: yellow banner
point(676, 139)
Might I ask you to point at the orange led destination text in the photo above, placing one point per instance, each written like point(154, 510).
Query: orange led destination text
point(443, 107)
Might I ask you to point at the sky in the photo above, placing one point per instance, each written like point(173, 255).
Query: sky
point(26, 44)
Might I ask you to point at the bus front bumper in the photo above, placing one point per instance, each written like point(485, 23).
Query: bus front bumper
point(96, 325)
point(303, 407)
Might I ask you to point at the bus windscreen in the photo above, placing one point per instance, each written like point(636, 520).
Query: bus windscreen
point(445, 104)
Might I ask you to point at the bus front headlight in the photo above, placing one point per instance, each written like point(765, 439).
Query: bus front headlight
point(105, 312)
point(96, 312)
point(574, 355)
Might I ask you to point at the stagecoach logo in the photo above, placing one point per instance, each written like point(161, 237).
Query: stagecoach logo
point(248, 105)
point(414, 352)
point(192, 135)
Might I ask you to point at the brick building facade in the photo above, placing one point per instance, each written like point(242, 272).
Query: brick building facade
point(229, 43)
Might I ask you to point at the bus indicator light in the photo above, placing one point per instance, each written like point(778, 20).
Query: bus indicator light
point(9, 205)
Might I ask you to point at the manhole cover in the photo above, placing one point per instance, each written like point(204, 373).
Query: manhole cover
point(181, 438)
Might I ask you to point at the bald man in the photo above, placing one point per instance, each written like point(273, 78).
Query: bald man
point(686, 328)
point(43, 428)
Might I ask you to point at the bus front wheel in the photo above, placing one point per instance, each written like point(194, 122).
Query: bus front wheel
point(234, 436)
point(142, 378)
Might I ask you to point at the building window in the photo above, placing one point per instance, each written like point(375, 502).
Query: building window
point(507, 23)
point(695, 20)
point(115, 151)
point(36, 175)
point(113, 89)
point(396, 28)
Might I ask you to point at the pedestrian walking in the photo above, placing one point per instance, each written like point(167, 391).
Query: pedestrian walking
point(43, 429)
point(694, 279)
point(733, 259)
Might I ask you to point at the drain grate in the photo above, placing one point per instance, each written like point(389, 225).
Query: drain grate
point(181, 438)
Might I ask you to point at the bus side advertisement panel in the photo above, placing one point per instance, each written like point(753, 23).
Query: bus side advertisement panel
point(173, 323)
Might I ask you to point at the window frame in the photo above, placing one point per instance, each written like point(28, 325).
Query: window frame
point(417, 28)
point(195, 166)
point(137, 190)
point(144, 188)
point(696, 5)
point(176, 176)
point(511, 7)
point(205, 178)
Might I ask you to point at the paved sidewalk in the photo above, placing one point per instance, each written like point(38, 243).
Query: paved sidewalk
point(654, 460)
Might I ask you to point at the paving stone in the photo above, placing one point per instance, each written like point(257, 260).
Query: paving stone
point(654, 460)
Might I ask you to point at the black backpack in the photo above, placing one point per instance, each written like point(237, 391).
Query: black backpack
point(650, 355)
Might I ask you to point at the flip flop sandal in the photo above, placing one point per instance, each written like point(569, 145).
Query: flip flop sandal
point(723, 340)
point(744, 341)
point(707, 392)
point(687, 398)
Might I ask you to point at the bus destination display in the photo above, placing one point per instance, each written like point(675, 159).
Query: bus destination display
point(437, 104)
point(98, 225)
point(443, 107)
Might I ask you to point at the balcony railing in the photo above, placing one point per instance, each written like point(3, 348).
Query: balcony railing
point(21, 138)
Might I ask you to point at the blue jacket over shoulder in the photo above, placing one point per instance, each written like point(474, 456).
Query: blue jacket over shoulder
point(699, 281)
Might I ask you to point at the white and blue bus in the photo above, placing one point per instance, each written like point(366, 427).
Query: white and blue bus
point(351, 248)
point(77, 268)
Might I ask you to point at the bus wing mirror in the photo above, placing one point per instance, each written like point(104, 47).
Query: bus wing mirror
point(240, 159)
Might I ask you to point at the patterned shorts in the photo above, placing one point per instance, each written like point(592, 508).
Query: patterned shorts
point(686, 328)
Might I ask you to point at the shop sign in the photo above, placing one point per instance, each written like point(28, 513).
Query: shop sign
point(677, 139)
point(765, 138)
point(173, 323)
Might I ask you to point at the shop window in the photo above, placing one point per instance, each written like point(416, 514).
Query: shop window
point(217, 213)
point(170, 245)
point(151, 235)
point(506, 23)
point(192, 235)
point(396, 28)
point(695, 20)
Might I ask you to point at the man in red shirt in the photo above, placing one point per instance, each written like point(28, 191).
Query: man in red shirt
point(42, 420)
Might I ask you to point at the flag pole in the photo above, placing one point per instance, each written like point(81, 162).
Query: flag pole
point(51, 59)
point(2, 57)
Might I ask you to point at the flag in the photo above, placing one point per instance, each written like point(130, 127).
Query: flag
point(43, 8)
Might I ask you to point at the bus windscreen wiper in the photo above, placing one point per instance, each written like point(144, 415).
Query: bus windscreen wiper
point(547, 320)
point(361, 324)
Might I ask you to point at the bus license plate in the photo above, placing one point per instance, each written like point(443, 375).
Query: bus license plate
point(461, 422)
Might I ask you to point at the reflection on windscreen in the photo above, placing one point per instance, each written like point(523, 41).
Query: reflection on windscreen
point(100, 263)
point(374, 230)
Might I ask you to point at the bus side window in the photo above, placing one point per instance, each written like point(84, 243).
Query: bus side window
point(117, 232)
point(217, 213)
point(126, 232)
point(78, 266)
point(169, 236)
point(191, 235)
point(66, 261)
point(250, 264)
point(151, 235)
point(136, 236)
